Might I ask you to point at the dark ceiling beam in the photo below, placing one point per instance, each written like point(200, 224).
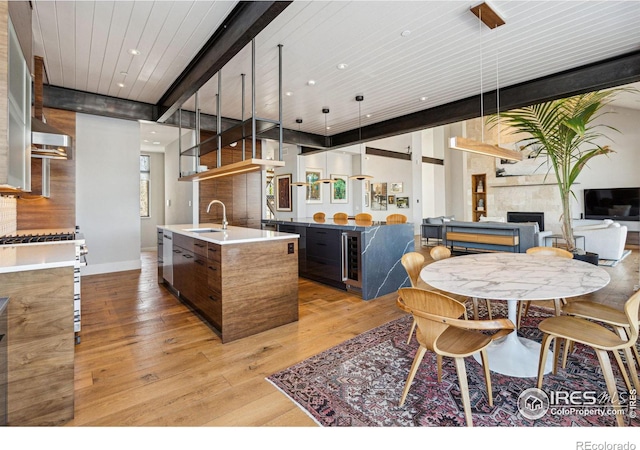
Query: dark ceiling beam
point(244, 23)
point(96, 104)
point(605, 74)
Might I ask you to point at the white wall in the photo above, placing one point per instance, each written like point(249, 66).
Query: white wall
point(108, 192)
point(179, 195)
point(148, 225)
point(619, 169)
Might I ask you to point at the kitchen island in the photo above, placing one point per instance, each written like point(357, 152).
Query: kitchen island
point(240, 281)
point(359, 256)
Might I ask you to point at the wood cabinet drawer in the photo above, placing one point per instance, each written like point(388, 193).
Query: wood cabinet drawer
point(323, 233)
point(200, 247)
point(214, 252)
point(211, 307)
point(185, 242)
point(214, 276)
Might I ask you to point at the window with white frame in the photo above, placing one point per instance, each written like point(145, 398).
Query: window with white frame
point(145, 170)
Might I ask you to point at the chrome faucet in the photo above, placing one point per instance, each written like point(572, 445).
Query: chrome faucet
point(224, 213)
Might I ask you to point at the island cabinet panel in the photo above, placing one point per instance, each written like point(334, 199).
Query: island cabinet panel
point(40, 346)
point(255, 297)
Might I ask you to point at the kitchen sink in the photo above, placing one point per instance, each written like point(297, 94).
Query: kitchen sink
point(202, 230)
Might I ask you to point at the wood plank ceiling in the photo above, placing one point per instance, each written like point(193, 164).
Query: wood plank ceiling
point(403, 56)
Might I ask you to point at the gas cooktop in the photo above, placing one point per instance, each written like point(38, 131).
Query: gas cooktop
point(37, 238)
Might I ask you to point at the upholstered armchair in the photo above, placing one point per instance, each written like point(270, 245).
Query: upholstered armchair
point(606, 238)
point(431, 228)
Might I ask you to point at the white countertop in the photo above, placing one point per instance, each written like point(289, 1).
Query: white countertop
point(232, 235)
point(20, 258)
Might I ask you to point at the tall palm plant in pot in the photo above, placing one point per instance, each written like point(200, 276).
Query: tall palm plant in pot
point(564, 131)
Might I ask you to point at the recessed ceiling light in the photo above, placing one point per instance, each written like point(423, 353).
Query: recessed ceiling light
point(152, 132)
point(405, 33)
point(288, 93)
point(368, 115)
point(145, 140)
point(328, 128)
point(134, 51)
point(156, 143)
point(342, 66)
point(311, 82)
point(422, 99)
point(120, 84)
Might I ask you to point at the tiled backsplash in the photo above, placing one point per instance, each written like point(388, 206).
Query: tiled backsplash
point(8, 215)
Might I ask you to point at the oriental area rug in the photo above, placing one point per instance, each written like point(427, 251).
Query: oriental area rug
point(360, 382)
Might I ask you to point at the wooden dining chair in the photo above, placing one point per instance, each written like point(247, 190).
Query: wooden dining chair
point(608, 315)
point(600, 339)
point(441, 252)
point(340, 216)
point(523, 306)
point(319, 216)
point(396, 218)
point(364, 217)
point(413, 262)
point(440, 330)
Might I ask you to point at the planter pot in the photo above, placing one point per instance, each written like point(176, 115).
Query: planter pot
point(589, 257)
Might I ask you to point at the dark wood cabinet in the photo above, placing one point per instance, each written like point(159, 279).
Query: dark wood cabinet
point(324, 256)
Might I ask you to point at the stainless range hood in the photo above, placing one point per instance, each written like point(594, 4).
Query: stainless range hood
point(52, 141)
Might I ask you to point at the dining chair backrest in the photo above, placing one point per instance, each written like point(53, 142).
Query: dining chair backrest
point(340, 216)
point(439, 252)
point(631, 308)
point(550, 251)
point(319, 216)
point(396, 218)
point(365, 217)
point(430, 302)
point(413, 263)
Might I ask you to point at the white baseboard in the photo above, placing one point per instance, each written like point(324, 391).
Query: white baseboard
point(120, 266)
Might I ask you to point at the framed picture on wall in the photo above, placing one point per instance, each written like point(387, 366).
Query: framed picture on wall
point(402, 202)
point(378, 196)
point(339, 192)
point(283, 192)
point(314, 191)
point(396, 188)
point(391, 199)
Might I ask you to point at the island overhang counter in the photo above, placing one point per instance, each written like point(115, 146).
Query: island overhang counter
point(241, 281)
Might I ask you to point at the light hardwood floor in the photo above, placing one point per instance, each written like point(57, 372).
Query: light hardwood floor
point(146, 360)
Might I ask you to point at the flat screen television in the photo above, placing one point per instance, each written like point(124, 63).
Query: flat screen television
point(612, 203)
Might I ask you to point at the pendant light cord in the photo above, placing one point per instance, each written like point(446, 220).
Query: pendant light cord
point(481, 91)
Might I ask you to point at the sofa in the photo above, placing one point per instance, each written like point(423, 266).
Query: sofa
point(493, 236)
point(431, 228)
point(604, 237)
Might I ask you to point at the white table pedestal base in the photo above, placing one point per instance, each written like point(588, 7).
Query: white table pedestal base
point(513, 355)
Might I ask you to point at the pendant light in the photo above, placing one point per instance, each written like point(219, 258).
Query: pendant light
point(359, 99)
point(299, 183)
point(327, 180)
point(493, 20)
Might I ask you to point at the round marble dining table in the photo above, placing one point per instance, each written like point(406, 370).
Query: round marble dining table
point(514, 277)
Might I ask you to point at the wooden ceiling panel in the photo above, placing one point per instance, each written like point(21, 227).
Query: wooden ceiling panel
point(439, 58)
point(102, 15)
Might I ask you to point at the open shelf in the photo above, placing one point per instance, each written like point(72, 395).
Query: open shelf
point(248, 165)
point(478, 196)
point(230, 135)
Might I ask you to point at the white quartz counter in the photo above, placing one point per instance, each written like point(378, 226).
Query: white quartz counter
point(232, 235)
point(20, 258)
